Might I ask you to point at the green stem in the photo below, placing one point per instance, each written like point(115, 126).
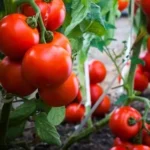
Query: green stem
point(4, 121)
point(129, 85)
point(86, 132)
point(38, 16)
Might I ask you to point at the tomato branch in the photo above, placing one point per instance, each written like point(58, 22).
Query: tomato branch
point(86, 132)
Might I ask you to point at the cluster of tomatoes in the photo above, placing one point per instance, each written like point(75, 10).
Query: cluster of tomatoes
point(126, 123)
point(28, 64)
point(75, 111)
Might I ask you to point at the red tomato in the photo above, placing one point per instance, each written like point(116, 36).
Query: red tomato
point(104, 107)
point(120, 125)
point(146, 136)
point(56, 15)
point(96, 92)
point(118, 148)
point(97, 71)
point(148, 44)
point(46, 65)
point(140, 81)
point(74, 113)
point(119, 142)
point(44, 9)
point(11, 78)
point(141, 147)
point(123, 4)
point(16, 36)
point(79, 97)
point(61, 95)
point(62, 41)
point(145, 7)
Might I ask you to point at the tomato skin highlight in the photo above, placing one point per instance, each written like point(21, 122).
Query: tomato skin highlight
point(96, 91)
point(28, 11)
point(74, 113)
point(118, 148)
point(61, 95)
point(46, 65)
point(119, 122)
point(57, 14)
point(16, 36)
point(141, 147)
point(103, 107)
point(97, 71)
point(123, 4)
point(12, 80)
point(62, 41)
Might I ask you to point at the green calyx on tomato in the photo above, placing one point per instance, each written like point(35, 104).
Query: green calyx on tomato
point(48, 36)
point(47, 1)
point(132, 121)
point(32, 22)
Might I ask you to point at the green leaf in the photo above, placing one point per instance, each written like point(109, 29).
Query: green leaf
point(56, 115)
point(98, 43)
point(22, 112)
point(15, 131)
point(42, 106)
point(79, 12)
point(46, 131)
point(93, 27)
point(136, 60)
point(121, 99)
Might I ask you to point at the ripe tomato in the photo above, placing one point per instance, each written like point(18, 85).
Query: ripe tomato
point(79, 97)
point(145, 4)
point(146, 136)
point(141, 147)
point(74, 113)
point(62, 41)
point(16, 36)
point(46, 65)
point(148, 44)
point(96, 91)
point(11, 78)
point(118, 148)
point(57, 14)
point(119, 142)
point(97, 71)
point(61, 95)
point(140, 81)
point(120, 123)
point(104, 107)
point(123, 4)
point(27, 10)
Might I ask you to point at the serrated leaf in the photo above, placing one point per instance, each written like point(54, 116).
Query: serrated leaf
point(46, 131)
point(56, 115)
point(79, 12)
point(121, 99)
point(15, 131)
point(22, 112)
point(136, 60)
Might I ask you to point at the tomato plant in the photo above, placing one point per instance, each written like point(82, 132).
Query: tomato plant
point(48, 60)
point(59, 96)
point(12, 80)
point(122, 4)
point(74, 113)
point(96, 91)
point(141, 147)
point(97, 71)
point(125, 122)
point(12, 43)
point(145, 6)
point(104, 107)
point(118, 148)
